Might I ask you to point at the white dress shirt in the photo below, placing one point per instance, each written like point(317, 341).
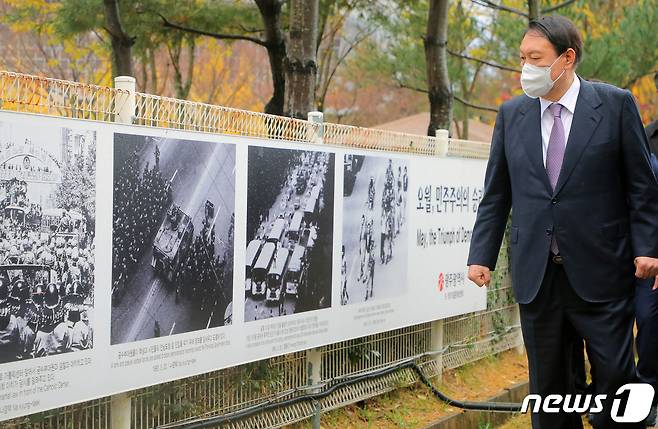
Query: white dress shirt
point(568, 100)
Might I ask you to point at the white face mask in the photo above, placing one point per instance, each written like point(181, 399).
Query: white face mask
point(536, 81)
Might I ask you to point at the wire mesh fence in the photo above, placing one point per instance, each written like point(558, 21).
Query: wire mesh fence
point(465, 338)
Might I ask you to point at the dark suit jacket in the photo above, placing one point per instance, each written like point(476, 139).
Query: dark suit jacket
point(654, 164)
point(652, 133)
point(603, 213)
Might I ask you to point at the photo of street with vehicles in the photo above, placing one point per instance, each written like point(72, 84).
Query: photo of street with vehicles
point(375, 236)
point(290, 215)
point(173, 226)
point(47, 240)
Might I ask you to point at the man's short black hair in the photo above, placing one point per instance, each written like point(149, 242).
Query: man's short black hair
point(561, 32)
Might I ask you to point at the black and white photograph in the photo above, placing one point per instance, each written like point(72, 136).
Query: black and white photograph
point(375, 234)
point(172, 244)
point(290, 217)
point(47, 231)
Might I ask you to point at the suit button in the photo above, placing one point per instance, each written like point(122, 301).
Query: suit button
point(554, 200)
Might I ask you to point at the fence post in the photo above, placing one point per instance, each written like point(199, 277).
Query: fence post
point(125, 102)
point(120, 408)
point(441, 146)
point(440, 150)
point(436, 344)
point(516, 313)
point(314, 356)
point(120, 405)
point(314, 376)
point(317, 135)
point(516, 321)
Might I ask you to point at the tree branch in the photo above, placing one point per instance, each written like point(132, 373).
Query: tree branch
point(557, 6)
point(250, 30)
point(462, 101)
point(475, 106)
point(168, 24)
point(97, 34)
point(342, 57)
point(413, 88)
point(490, 64)
point(492, 5)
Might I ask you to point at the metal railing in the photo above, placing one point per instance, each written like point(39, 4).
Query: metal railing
point(462, 339)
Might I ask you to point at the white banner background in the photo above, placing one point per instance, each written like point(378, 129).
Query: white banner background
point(436, 285)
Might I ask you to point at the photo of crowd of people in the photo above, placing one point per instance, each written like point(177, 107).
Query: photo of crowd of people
point(375, 192)
point(47, 241)
point(173, 220)
point(290, 215)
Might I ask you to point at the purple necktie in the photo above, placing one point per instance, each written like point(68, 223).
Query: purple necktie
point(555, 155)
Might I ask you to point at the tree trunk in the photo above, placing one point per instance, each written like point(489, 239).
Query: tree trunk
point(182, 77)
point(142, 84)
point(323, 16)
point(458, 131)
point(301, 66)
point(183, 85)
point(270, 11)
point(534, 9)
point(323, 80)
point(438, 81)
point(122, 64)
point(154, 72)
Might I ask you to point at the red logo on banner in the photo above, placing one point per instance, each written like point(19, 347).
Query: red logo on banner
point(441, 282)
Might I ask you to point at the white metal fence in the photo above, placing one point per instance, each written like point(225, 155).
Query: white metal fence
point(461, 339)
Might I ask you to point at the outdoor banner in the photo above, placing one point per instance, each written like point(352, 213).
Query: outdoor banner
point(131, 256)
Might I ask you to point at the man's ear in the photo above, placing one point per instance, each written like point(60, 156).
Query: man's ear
point(570, 55)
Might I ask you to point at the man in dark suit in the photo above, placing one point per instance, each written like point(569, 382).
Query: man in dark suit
point(646, 303)
point(571, 159)
point(646, 315)
point(652, 128)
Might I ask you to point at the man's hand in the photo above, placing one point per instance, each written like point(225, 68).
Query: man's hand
point(646, 267)
point(480, 275)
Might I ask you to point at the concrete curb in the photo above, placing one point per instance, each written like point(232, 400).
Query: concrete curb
point(479, 419)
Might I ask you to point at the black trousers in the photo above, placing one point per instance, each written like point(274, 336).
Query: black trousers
point(646, 340)
point(553, 323)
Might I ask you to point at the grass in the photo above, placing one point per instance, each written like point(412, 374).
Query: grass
point(412, 407)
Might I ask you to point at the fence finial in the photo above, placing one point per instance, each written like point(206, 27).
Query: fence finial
point(441, 145)
point(317, 118)
point(125, 100)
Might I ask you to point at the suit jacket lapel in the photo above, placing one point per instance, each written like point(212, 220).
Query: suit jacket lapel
point(584, 122)
point(530, 128)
